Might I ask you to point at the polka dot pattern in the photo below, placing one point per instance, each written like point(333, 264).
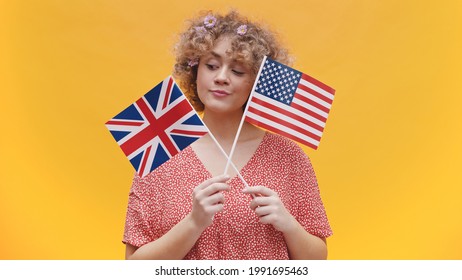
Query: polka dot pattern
point(161, 199)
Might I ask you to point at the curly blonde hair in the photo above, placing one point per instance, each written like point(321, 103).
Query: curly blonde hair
point(200, 36)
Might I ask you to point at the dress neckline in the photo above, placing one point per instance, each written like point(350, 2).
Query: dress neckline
point(242, 170)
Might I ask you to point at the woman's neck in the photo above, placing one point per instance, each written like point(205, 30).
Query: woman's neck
point(224, 127)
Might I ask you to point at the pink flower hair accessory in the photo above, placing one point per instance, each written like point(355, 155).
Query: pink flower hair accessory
point(193, 62)
point(241, 30)
point(210, 21)
point(201, 30)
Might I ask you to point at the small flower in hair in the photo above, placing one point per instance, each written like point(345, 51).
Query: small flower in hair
point(210, 21)
point(200, 29)
point(241, 30)
point(193, 62)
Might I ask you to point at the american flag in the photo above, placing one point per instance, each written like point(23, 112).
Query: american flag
point(156, 127)
point(290, 103)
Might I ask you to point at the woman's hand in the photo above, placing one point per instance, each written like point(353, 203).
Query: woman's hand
point(208, 200)
point(269, 207)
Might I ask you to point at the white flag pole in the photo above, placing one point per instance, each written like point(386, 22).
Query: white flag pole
point(226, 156)
point(233, 147)
point(229, 160)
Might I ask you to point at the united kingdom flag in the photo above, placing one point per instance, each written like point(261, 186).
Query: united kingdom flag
point(156, 127)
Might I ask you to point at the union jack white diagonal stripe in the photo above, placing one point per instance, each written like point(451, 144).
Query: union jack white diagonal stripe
point(290, 103)
point(156, 127)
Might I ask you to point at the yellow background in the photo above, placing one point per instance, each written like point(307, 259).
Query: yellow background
point(389, 164)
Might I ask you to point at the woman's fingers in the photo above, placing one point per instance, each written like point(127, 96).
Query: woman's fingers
point(213, 180)
point(262, 201)
point(208, 199)
point(269, 207)
point(259, 191)
point(213, 199)
point(264, 210)
point(211, 186)
point(214, 188)
point(213, 209)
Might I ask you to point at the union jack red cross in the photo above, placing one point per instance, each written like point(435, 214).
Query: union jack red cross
point(156, 127)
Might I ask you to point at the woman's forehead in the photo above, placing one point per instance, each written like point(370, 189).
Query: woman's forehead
point(223, 49)
point(222, 46)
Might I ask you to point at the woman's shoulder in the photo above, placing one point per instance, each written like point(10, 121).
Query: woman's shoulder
point(280, 142)
point(281, 149)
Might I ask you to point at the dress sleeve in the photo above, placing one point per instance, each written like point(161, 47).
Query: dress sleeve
point(309, 210)
point(143, 219)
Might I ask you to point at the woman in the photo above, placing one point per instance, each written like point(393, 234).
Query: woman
point(186, 209)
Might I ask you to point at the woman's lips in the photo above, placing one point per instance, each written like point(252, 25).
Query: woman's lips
point(220, 93)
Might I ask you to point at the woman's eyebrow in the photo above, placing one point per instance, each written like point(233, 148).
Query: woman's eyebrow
point(215, 54)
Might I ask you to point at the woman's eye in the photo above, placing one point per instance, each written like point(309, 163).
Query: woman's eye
point(211, 66)
point(239, 73)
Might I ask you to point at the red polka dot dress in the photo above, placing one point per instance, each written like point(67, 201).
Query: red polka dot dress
point(161, 199)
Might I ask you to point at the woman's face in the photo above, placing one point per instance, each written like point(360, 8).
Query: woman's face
point(223, 84)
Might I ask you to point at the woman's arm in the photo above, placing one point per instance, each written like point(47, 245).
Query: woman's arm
point(303, 245)
point(269, 207)
point(176, 243)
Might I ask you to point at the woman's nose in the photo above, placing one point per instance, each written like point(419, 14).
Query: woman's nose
point(222, 76)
